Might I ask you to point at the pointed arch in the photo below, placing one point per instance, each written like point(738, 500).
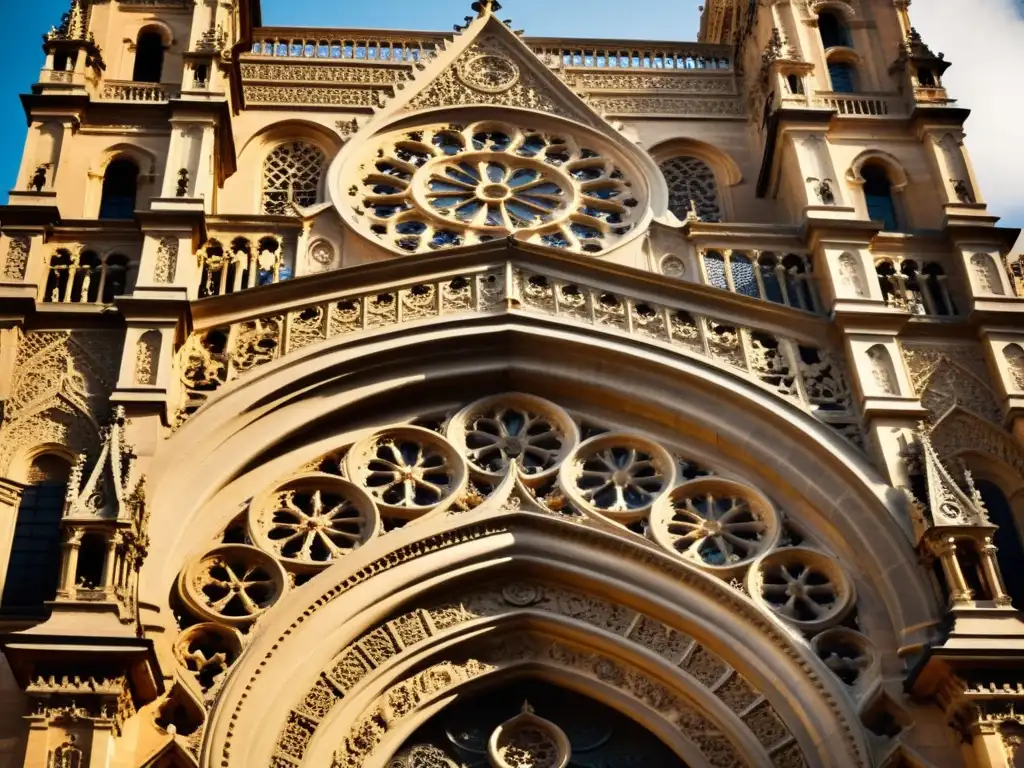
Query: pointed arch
point(679, 636)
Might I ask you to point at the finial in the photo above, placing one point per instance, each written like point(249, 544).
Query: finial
point(486, 7)
point(527, 708)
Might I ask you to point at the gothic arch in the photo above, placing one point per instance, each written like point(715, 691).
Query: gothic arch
point(144, 158)
point(893, 167)
point(660, 609)
point(254, 423)
point(727, 170)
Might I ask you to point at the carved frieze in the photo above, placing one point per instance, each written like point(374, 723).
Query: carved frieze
point(676, 106)
point(312, 95)
point(324, 73)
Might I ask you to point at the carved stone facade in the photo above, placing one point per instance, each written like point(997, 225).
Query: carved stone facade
point(447, 400)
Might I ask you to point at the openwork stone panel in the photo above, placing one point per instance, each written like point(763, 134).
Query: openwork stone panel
point(291, 176)
point(692, 188)
point(442, 186)
point(809, 375)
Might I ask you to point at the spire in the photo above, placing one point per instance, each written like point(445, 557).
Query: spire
point(74, 25)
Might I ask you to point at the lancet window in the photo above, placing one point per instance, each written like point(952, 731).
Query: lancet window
point(1007, 539)
point(33, 566)
point(692, 188)
point(779, 278)
point(833, 29)
point(292, 174)
point(149, 57)
point(919, 290)
point(82, 277)
point(843, 76)
point(120, 188)
point(878, 195)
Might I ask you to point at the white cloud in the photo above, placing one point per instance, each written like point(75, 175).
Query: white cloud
point(982, 39)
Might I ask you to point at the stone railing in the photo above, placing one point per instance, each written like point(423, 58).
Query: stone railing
point(563, 54)
point(347, 44)
point(858, 104)
point(127, 90)
point(795, 369)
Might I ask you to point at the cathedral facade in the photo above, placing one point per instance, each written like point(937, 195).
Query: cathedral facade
point(467, 400)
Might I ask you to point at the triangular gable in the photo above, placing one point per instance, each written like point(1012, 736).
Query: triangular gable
point(487, 64)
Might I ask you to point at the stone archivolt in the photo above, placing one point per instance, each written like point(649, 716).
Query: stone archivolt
point(519, 454)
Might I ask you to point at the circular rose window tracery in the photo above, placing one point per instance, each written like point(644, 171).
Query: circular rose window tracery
point(452, 185)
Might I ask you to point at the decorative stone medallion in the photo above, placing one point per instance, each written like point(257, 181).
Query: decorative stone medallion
point(489, 73)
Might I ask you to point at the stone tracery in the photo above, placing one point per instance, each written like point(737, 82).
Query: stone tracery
point(401, 474)
point(441, 186)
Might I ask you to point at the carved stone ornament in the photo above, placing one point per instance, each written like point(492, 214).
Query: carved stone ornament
point(166, 260)
point(528, 741)
point(488, 72)
point(16, 261)
point(443, 186)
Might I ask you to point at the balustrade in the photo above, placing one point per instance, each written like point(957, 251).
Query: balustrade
point(127, 90)
point(562, 54)
point(807, 374)
point(853, 104)
point(344, 46)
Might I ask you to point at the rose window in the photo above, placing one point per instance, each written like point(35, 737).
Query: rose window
point(233, 584)
point(446, 186)
point(618, 474)
point(716, 522)
point(313, 519)
point(804, 586)
point(532, 432)
point(407, 470)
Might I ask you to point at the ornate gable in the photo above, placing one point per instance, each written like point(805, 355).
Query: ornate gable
point(493, 71)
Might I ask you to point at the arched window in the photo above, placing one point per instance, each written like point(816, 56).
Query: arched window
point(691, 185)
point(1007, 539)
point(714, 268)
point(833, 29)
point(843, 76)
point(744, 280)
point(879, 198)
point(88, 277)
point(120, 187)
point(57, 281)
point(291, 174)
point(33, 569)
point(149, 58)
point(799, 289)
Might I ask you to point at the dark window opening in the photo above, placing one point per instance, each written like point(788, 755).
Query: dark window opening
point(149, 58)
point(970, 566)
point(833, 30)
point(1007, 539)
point(796, 84)
point(120, 187)
point(92, 557)
point(926, 78)
point(934, 277)
point(33, 570)
point(878, 195)
point(116, 279)
point(843, 77)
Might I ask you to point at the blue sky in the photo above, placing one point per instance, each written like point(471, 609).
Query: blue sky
point(987, 61)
